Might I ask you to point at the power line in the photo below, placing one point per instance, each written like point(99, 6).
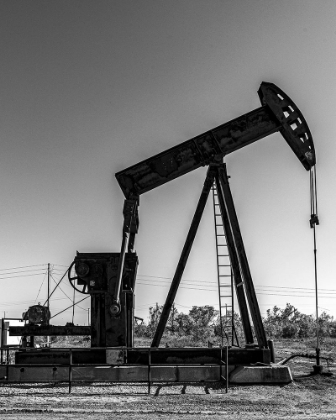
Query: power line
point(191, 281)
point(55, 287)
point(25, 275)
point(22, 272)
point(259, 293)
point(24, 266)
point(41, 286)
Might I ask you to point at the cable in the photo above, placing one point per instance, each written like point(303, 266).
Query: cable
point(296, 289)
point(313, 222)
point(24, 266)
point(69, 307)
point(41, 287)
point(55, 287)
point(22, 272)
point(26, 275)
point(60, 288)
point(191, 281)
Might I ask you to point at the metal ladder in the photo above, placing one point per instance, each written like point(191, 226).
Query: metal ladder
point(224, 277)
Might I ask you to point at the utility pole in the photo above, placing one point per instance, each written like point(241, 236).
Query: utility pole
point(48, 285)
point(48, 337)
point(172, 321)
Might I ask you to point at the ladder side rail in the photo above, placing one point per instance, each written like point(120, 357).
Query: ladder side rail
point(217, 258)
point(234, 332)
point(243, 262)
point(243, 309)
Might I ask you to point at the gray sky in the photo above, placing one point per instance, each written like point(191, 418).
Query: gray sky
point(89, 88)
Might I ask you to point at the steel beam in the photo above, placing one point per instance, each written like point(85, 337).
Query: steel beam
point(278, 113)
point(140, 356)
point(184, 257)
point(197, 152)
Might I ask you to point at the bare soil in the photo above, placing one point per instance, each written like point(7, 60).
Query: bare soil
point(307, 397)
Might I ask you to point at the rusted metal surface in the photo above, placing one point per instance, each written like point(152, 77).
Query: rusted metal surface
point(278, 113)
point(52, 374)
point(28, 374)
point(52, 356)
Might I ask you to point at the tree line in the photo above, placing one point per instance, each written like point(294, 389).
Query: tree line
point(203, 326)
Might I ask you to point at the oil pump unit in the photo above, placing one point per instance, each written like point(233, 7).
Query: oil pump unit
point(110, 277)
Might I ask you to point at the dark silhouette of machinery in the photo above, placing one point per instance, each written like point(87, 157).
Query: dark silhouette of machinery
point(96, 274)
point(110, 277)
point(37, 315)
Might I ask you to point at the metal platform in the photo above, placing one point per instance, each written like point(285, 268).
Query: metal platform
point(143, 356)
point(148, 365)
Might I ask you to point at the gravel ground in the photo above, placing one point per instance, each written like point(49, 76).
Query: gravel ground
point(305, 398)
point(308, 397)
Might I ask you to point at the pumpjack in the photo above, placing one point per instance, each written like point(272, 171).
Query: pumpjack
point(109, 278)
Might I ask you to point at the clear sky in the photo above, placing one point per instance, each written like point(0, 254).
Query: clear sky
point(89, 88)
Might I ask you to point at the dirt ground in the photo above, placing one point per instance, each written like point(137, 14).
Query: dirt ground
point(307, 397)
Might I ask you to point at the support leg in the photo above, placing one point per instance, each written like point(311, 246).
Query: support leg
point(184, 257)
point(235, 267)
point(240, 252)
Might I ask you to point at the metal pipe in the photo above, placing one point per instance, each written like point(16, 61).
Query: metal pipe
point(130, 213)
point(115, 307)
point(227, 368)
